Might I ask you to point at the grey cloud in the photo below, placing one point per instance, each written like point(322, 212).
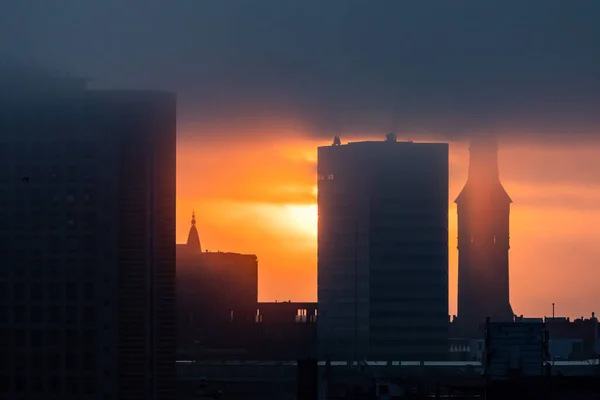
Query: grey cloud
point(453, 68)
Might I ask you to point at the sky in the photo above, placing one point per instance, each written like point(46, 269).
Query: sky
point(261, 83)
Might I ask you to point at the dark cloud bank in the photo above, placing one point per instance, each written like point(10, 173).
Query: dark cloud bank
point(449, 67)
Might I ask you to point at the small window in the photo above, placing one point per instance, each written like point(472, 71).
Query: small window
point(20, 363)
point(89, 315)
point(55, 383)
point(19, 291)
point(54, 314)
point(37, 314)
point(71, 314)
point(88, 338)
point(37, 338)
point(72, 386)
point(20, 383)
point(89, 361)
point(54, 290)
point(330, 177)
point(71, 290)
point(89, 290)
point(72, 361)
point(36, 291)
point(89, 386)
point(71, 338)
point(37, 358)
point(19, 314)
point(301, 315)
point(53, 338)
point(321, 177)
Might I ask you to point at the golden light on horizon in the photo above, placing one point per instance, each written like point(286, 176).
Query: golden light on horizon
point(260, 197)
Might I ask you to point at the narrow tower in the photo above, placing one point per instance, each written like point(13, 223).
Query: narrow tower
point(483, 241)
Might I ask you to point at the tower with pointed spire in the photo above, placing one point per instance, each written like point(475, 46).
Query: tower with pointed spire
point(193, 240)
point(483, 241)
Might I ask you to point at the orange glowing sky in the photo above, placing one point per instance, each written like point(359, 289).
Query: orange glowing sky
point(258, 195)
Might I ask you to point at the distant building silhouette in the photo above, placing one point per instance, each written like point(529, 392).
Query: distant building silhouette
point(284, 331)
point(573, 340)
point(87, 243)
point(383, 250)
point(219, 316)
point(213, 288)
point(483, 242)
point(287, 330)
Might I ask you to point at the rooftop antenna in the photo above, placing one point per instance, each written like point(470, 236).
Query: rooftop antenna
point(336, 140)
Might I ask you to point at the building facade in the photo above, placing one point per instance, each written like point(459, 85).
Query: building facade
point(220, 318)
point(213, 290)
point(573, 339)
point(483, 243)
point(87, 244)
point(383, 250)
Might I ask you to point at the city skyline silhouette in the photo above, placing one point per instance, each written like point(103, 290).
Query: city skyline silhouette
point(252, 107)
point(290, 216)
point(230, 199)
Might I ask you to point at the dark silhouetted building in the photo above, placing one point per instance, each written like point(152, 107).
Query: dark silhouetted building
point(515, 349)
point(219, 314)
point(288, 330)
point(87, 242)
point(483, 243)
point(573, 340)
point(213, 289)
point(383, 250)
point(279, 331)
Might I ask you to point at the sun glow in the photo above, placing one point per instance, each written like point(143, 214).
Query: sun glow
point(293, 221)
point(264, 203)
point(302, 219)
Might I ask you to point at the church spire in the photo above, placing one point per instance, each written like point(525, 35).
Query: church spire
point(193, 237)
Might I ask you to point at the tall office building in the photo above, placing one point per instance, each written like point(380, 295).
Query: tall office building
point(87, 242)
point(383, 250)
point(483, 242)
